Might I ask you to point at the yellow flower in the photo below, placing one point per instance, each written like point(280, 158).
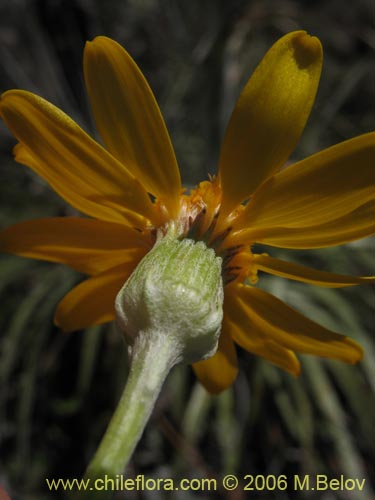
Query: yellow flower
point(326, 199)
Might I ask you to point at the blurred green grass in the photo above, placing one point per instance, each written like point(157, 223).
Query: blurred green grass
point(58, 391)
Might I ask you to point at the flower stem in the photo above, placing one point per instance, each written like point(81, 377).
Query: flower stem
point(150, 365)
point(170, 311)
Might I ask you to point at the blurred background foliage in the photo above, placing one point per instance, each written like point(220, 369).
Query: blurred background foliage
point(57, 392)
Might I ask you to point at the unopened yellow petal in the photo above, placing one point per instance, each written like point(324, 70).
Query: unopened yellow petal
point(86, 245)
point(218, 372)
point(305, 274)
point(320, 189)
point(69, 158)
point(270, 116)
point(129, 120)
point(290, 329)
point(92, 302)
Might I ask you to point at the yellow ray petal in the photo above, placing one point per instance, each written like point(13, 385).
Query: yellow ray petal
point(279, 356)
point(64, 153)
point(92, 302)
point(86, 245)
point(285, 359)
point(218, 372)
point(356, 225)
point(305, 274)
point(77, 196)
point(129, 120)
point(287, 327)
point(72, 194)
point(247, 335)
point(317, 190)
point(269, 116)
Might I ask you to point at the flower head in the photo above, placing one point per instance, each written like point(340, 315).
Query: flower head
point(326, 199)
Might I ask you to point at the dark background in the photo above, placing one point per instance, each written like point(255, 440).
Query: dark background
point(57, 392)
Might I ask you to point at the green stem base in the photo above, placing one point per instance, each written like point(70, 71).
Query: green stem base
point(151, 361)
